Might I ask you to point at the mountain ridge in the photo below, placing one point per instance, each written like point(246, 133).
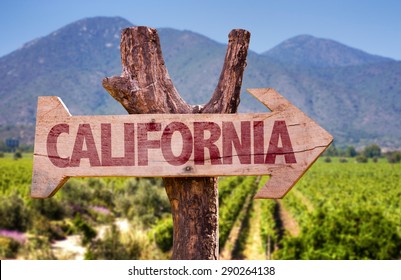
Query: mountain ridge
point(301, 49)
point(354, 100)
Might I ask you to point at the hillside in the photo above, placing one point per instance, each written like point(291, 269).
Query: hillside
point(310, 51)
point(354, 95)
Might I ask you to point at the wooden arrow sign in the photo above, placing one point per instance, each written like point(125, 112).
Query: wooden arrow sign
point(283, 144)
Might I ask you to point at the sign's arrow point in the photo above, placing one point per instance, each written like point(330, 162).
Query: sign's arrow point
point(314, 141)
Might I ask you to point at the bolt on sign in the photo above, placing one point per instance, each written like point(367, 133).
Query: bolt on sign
point(283, 143)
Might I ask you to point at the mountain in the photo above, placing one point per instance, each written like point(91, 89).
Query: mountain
point(307, 50)
point(354, 95)
point(69, 62)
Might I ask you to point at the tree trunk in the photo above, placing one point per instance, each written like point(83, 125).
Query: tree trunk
point(194, 205)
point(145, 87)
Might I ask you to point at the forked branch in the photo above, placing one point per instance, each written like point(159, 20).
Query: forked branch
point(145, 86)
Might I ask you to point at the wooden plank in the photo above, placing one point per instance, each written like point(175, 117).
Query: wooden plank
point(283, 144)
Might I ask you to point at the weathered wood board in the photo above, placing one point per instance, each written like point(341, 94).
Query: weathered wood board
point(283, 144)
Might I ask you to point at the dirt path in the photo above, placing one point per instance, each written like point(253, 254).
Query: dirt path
point(254, 246)
point(287, 221)
point(71, 248)
point(239, 239)
point(233, 239)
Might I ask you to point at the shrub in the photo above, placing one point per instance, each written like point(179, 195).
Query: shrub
point(344, 234)
point(38, 248)
point(8, 248)
point(112, 247)
point(164, 234)
point(394, 157)
point(17, 155)
point(361, 159)
point(151, 203)
point(88, 232)
point(50, 208)
point(52, 230)
point(13, 213)
point(327, 159)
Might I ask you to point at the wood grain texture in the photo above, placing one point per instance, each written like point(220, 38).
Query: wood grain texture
point(177, 145)
point(146, 87)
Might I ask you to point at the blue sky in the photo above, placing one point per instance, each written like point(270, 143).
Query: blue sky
point(372, 26)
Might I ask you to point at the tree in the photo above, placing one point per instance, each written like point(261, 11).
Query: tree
point(394, 157)
point(331, 151)
point(350, 151)
point(372, 151)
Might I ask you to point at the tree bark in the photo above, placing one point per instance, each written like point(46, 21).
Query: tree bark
point(145, 87)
